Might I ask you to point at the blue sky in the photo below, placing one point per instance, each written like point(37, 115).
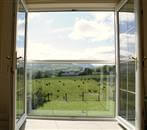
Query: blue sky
point(75, 35)
point(127, 35)
point(20, 34)
point(71, 36)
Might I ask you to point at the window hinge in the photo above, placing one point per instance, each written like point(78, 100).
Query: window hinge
point(141, 11)
point(143, 61)
point(12, 70)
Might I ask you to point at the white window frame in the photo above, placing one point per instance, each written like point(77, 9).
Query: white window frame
point(18, 123)
point(139, 125)
point(88, 7)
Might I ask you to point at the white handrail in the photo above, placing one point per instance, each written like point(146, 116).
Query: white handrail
point(70, 62)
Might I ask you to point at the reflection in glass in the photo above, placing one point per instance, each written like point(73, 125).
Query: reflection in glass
point(123, 75)
point(123, 104)
point(20, 72)
point(131, 76)
point(71, 89)
point(131, 108)
point(127, 28)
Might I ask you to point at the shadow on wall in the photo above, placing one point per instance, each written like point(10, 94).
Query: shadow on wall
point(145, 105)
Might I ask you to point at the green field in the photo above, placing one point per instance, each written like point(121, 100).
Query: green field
point(90, 95)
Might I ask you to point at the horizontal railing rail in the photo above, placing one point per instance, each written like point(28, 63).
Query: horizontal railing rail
point(70, 62)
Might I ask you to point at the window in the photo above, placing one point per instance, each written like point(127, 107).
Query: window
point(71, 64)
point(127, 40)
point(20, 72)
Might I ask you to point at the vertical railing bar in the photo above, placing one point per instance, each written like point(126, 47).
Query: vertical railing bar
point(117, 63)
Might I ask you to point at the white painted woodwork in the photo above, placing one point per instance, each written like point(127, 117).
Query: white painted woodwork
point(145, 42)
point(6, 45)
point(46, 5)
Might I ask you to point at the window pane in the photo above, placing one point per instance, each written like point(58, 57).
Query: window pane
point(123, 104)
point(123, 75)
point(131, 108)
point(20, 73)
point(131, 76)
point(127, 28)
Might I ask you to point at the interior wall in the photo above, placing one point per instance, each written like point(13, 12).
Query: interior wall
point(145, 41)
point(46, 5)
point(6, 43)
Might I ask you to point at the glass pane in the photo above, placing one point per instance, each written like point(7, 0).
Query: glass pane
point(132, 42)
point(71, 90)
point(131, 108)
point(124, 54)
point(20, 74)
point(123, 104)
point(131, 76)
point(127, 26)
point(123, 75)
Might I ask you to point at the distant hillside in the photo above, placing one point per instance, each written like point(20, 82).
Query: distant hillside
point(58, 67)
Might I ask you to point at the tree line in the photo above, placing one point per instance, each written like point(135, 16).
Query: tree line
point(105, 70)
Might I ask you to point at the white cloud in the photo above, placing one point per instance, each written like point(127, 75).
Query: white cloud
point(126, 39)
point(103, 16)
point(127, 16)
point(50, 42)
point(39, 18)
point(127, 44)
point(20, 52)
point(43, 51)
point(62, 30)
point(20, 27)
point(97, 30)
point(32, 16)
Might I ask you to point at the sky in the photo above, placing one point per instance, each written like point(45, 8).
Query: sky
point(127, 35)
point(20, 34)
point(73, 35)
point(70, 36)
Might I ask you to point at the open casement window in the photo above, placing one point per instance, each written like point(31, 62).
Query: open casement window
point(128, 68)
point(20, 77)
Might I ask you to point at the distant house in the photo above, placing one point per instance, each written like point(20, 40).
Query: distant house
point(70, 73)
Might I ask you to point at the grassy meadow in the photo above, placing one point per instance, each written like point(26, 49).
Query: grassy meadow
point(86, 95)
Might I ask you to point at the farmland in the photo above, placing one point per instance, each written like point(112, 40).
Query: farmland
point(86, 95)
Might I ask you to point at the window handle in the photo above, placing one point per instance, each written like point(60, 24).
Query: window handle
point(8, 58)
point(133, 58)
point(19, 57)
point(145, 58)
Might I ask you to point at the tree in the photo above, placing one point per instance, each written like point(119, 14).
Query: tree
point(38, 75)
point(47, 74)
point(98, 69)
point(60, 73)
point(87, 71)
